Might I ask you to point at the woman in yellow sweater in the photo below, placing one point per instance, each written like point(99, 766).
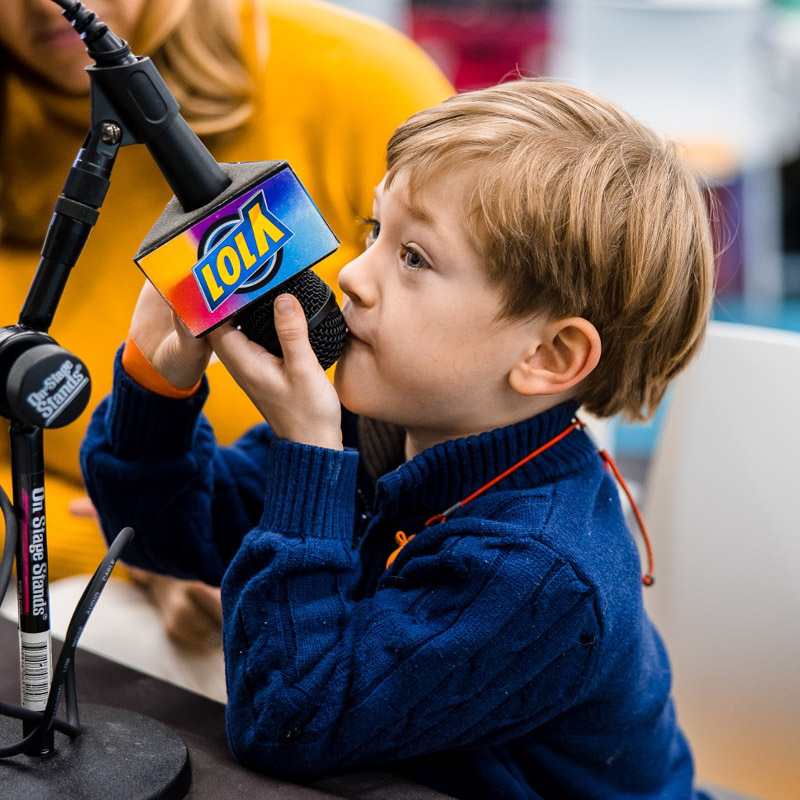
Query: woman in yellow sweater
point(258, 79)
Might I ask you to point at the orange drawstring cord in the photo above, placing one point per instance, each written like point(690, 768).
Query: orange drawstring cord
point(402, 540)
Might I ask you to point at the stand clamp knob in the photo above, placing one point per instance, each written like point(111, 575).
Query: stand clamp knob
point(41, 383)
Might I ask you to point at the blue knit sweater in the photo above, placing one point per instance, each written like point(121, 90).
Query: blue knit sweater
point(504, 654)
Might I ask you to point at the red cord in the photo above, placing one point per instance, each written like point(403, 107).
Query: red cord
point(446, 514)
point(647, 578)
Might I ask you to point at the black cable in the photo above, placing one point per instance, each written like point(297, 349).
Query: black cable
point(71, 699)
point(65, 663)
point(104, 46)
point(18, 712)
point(77, 623)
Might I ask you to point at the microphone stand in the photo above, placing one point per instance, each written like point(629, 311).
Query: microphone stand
point(115, 752)
point(45, 386)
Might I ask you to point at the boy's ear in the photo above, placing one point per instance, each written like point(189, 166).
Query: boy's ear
point(566, 352)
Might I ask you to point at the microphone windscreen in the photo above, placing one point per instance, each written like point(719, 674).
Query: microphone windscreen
point(212, 263)
point(326, 326)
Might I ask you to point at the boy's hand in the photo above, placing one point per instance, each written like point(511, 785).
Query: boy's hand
point(293, 393)
point(175, 353)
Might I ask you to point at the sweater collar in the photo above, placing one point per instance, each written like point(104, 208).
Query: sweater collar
point(448, 472)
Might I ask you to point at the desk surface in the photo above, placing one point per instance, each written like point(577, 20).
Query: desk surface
point(200, 723)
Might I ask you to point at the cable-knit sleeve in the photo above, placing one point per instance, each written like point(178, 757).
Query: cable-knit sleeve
point(476, 635)
point(152, 462)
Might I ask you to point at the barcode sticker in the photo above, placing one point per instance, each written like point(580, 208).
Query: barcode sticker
point(35, 669)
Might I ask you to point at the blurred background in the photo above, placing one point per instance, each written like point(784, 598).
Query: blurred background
point(715, 469)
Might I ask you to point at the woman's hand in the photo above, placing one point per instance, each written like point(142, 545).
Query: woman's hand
point(190, 610)
point(292, 393)
point(175, 353)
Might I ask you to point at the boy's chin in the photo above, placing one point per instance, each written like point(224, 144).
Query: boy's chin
point(347, 397)
point(348, 384)
point(357, 402)
point(353, 402)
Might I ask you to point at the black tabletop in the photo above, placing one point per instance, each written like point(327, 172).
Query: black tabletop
point(200, 723)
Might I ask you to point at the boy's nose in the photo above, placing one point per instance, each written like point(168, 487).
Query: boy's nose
point(354, 281)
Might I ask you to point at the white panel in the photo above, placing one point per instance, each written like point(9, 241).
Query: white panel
point(723, 507)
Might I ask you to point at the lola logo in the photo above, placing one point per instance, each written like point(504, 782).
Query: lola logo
point(238, 248)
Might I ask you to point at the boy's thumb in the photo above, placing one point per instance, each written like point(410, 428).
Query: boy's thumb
point(290, 323)
point(284, 305)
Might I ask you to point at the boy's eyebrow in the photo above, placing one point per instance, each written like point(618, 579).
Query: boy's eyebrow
point(419, 214)
point(415, 211)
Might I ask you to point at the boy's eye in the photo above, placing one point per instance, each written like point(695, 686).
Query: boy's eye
point(374, 230)
point(413, 260)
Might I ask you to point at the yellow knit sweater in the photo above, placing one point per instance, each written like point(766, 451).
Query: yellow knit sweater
point(334, 88)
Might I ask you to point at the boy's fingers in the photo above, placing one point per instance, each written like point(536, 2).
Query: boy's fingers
point(224, 337)
point(233, 347)
point(292, 328)
point(244, 359)
point(180, 329)
point(82, 507)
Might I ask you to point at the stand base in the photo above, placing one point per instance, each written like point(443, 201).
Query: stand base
point(119, 754)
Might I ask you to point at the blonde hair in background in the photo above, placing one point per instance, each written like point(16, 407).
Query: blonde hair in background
point(578, 210)
point(197, 47)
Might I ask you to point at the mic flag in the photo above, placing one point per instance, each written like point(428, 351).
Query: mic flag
point(260, 232)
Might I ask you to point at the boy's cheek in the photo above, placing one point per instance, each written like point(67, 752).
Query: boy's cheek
point(343, 378)
point(356, 385)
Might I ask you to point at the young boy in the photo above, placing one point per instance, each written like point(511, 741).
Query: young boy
point(533, 248)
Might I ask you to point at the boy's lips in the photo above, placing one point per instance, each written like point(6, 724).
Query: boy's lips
point(353, 335)
point(352, 332)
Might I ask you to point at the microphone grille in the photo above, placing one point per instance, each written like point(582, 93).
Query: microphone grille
point(326, 326)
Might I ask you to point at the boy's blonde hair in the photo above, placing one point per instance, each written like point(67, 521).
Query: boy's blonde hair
point(578, 210)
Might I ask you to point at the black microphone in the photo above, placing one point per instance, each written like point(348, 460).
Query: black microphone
point(326, 326)
point(235, 236)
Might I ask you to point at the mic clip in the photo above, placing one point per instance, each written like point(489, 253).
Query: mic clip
point(134, 97)
point(142, 105)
